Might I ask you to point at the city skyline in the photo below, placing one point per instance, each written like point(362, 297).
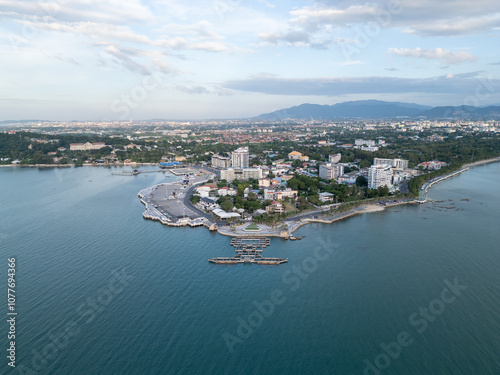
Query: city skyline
point(107, 60)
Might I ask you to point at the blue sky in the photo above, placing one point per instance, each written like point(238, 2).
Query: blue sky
point(116, 60)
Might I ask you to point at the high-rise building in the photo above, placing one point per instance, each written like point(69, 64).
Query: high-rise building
point(395, 163)
point(240, 158)
point(400, 164)
point(379, 175)
point(331, 171)
point(334, 158)
point(220, 161)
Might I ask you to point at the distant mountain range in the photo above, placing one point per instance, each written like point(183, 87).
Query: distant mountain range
point(378, 109)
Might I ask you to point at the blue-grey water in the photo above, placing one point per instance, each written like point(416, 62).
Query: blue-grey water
point(347, 288)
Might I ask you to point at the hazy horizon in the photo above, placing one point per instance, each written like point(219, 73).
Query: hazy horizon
point(229, 59)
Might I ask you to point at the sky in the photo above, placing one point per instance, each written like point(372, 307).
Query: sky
point(102, 60)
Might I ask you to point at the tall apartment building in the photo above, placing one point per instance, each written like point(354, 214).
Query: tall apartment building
point(240, 158)
point(331, 171)
point(379, 175)
point(395, 163)
point(334, 158)
point(220, 161)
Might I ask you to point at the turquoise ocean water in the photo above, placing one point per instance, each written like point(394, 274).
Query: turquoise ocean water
point(349, 290)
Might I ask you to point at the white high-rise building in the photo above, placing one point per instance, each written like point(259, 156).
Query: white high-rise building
point(395, 163)
point(400, 164)
point(334, 158)
point(240, 158)
point(220, 161)
point(379, 175)
point(330, 171)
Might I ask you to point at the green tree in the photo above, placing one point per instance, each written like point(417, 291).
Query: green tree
point(225, 203)
point(361, 181)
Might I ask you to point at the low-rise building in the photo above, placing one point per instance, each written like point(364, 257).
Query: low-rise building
point(294, 155)
point(432, 165)
point(86, 146)
point(326, 197)
point(287, 193)
point(223, 191)
point(275, 207)
point(269, 194)
point(363, 142)
point(241, 174)
point(264, 182)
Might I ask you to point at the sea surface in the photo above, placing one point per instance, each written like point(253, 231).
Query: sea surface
point(101, 291)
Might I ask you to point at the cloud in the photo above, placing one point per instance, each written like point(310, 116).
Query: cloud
point(459, 26)
point(292, 37)
point(334, 86)
point(107, 11)
point(63, 58)
point(203, 90)
point(126, 61)
point(202, 30)
point(331, 20)
point(125, 58)
point(179, 43)
point(441, 54)
point(93, 30)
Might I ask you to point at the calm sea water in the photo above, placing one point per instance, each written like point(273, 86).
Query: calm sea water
point(348, 287)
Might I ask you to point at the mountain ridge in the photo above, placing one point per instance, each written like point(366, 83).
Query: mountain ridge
point(377, 109)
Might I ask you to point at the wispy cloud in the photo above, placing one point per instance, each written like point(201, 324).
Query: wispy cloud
point(441, 54)
point(422, 17)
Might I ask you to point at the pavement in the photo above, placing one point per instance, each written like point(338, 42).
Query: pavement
point(172, 199)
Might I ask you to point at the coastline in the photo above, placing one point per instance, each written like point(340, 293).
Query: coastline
point(72, 165)
point(481, 162)
point(267, 231)
point(271, 232)
point(427, 185)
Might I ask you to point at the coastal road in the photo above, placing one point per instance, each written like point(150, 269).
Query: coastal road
point(187, 203)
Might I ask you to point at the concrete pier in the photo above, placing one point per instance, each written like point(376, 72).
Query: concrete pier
point(249, 250)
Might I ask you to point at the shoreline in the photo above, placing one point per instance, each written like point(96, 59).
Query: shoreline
point(464, 168)
point(73, 165)
point(362, 209)
point(481, 162)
